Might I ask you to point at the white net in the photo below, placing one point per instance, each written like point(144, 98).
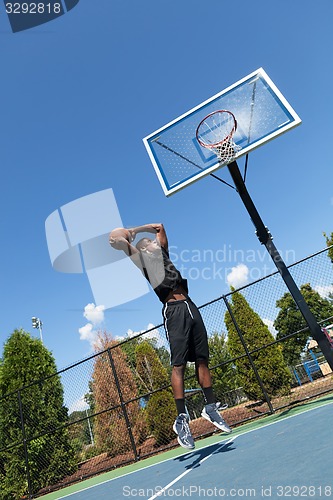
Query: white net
point(215, 133)
point(226, 151)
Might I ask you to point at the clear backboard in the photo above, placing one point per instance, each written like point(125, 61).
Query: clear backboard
point(261, 112)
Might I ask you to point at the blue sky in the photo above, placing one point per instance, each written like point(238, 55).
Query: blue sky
point(79, 94)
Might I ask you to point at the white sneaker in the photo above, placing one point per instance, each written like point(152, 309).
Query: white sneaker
point(212, 414)
point(182, 429)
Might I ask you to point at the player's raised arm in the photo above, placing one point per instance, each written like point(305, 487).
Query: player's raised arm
point(156, 228)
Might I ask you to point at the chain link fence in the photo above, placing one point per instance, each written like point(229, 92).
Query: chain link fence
point(119, 406)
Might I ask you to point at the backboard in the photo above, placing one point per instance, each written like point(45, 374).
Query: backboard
point(261, 111)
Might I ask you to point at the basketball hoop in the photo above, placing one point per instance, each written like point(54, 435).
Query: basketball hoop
point(215, 132)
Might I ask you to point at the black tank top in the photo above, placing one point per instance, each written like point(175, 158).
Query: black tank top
point(162, 274)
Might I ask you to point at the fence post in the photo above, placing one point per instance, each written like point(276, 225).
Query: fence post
point(123, 405)
point(240, 334)
point(26, 458)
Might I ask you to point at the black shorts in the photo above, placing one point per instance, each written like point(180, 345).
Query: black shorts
point(186, 332)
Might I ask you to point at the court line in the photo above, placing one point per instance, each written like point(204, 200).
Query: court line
point(207, 446)
point(161, 492)
point(145, 467)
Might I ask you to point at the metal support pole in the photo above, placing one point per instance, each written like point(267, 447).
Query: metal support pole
point(265, 238)
point(40, 332)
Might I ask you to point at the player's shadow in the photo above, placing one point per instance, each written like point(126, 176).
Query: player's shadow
point(201, 454)
point(291, 409)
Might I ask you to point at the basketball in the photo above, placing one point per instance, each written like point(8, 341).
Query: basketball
point(117, 233)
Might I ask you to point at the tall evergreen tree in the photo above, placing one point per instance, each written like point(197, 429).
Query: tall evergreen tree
point(160, 409)
point(130, 349)
point(269, 361)
point(150, 370)
point(290, 320)
point(223, 377)
point(41, 406)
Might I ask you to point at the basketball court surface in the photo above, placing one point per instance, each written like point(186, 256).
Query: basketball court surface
point(285, 455)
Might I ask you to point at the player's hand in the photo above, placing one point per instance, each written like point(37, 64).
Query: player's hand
point(132, 234)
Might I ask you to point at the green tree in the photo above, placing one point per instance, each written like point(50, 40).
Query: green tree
point(149, 368)
point(289, 320)
point(164, 357)
point(89, 397)
point(269, 361)
point(50, 455)
point(81, 429)
point(81, 434)
point(329, 243)
point(130, 346)
point(160, 409)
point(190, 381)
point(224, 377)
point(161, 413)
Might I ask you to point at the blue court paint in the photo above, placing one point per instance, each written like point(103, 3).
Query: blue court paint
point(289, 457)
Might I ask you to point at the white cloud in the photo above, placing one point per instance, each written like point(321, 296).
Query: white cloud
point(270, 324)
point(88, 333)
point(238, 276)
point(131, 333)
point(153, 334)
point(78, 405)
point(324, 291)
point(119, 338)
point(95, 316)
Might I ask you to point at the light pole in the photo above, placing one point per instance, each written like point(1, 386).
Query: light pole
point(36, 323)
point(90, 429)
point(85, 407)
